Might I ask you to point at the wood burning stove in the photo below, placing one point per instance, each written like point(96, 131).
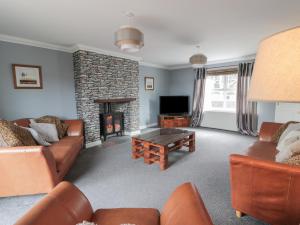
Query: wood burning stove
point(111, 122)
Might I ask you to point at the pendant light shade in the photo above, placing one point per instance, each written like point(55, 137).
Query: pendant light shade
point(198, 60)
point(129, 39)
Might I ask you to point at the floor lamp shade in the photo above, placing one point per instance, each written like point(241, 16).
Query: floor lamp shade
point(276, 73)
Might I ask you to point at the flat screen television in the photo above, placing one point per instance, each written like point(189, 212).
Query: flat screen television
point(174, 105)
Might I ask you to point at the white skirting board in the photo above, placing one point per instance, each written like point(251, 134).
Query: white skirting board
point(92, 144)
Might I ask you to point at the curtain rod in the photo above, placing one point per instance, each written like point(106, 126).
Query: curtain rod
point(222, 67)
point(236, 64)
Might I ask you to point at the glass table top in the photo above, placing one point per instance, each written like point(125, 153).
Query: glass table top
point(164, 136)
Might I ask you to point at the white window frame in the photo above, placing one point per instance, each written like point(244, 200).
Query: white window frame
point(219, 73)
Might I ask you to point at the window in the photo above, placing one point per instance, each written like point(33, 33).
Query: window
point(220, 93)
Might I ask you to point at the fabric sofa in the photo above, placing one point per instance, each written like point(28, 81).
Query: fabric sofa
point(37, 169)
point(263, 188)
point(66, 205)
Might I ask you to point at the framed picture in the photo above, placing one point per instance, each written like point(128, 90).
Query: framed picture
point(27, 76)
point(149, 83)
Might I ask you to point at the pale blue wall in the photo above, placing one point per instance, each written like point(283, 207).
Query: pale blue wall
point(182, 83)
point(57, 96)
point(149, 100)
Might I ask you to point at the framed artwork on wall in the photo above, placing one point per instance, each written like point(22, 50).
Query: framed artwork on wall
point(27, 76)
point(149, 83)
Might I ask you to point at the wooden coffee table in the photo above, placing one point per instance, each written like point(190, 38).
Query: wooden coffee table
point(154, 146)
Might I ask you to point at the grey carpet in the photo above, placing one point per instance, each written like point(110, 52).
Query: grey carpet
point(110, 178)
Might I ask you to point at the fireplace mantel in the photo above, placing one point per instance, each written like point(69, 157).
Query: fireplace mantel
point(114, 100)
point(107, 102)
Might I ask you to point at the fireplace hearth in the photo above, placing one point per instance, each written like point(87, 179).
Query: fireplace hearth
point(111, 122)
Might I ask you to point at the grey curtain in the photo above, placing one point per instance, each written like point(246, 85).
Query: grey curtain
point(246, 110)
point(198, 97)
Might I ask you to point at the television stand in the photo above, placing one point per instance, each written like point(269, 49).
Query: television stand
point(169, 121)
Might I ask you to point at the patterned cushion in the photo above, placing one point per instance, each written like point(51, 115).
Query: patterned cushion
point(276, 136)
point(12, 135)
point(60, 126)
point(294, 160)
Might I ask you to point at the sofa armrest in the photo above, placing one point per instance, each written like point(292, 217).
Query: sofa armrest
point(266, 190)
point(75, 127)
point(27, 170)
point(65, 204)
point(267, 130)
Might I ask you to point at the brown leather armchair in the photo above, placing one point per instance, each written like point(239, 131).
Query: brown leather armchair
point(263, 188)
point(66, 205)
point(37, 169)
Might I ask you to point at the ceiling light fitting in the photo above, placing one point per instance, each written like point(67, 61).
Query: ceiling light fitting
point(198, 60)
point(128, 38)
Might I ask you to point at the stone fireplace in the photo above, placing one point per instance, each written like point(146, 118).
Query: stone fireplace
point(99, 76)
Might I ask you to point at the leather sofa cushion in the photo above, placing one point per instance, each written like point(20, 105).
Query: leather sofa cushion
point(65, 150)
point(263, 150)
point(142, 216)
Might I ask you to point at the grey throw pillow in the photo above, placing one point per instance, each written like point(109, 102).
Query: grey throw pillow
point(288, 146)
point(46, 130)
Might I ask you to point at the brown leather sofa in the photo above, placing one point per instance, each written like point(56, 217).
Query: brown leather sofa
point(37, 169)
point(263, 188)
point(66, 205)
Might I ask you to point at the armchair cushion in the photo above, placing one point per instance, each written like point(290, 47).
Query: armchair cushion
point(138, 216)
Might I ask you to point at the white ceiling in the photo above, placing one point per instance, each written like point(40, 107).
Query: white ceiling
point(225, 29)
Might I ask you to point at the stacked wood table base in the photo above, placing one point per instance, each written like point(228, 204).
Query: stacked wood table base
point(155, 146)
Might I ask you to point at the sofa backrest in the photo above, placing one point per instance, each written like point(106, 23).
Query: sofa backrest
point(267, 130)
point(64, 205)
point(185, 206)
